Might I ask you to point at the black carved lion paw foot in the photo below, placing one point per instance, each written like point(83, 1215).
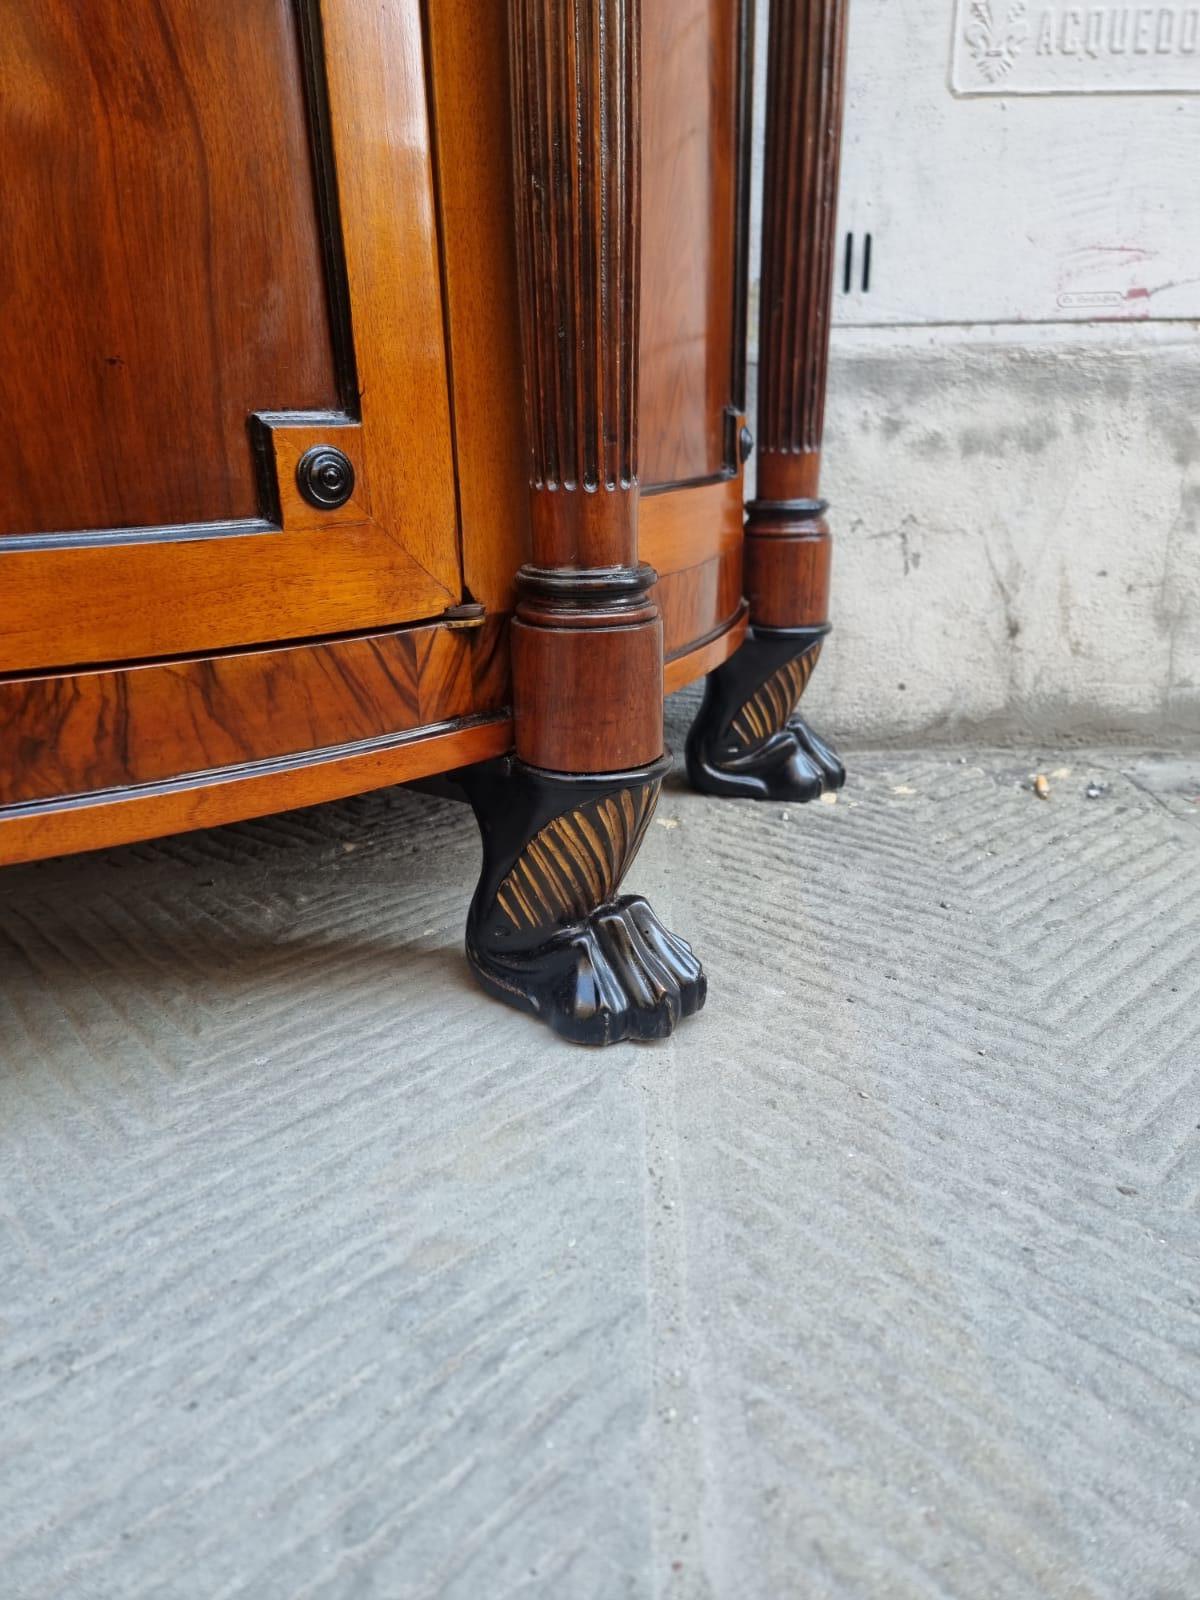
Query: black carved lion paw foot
point(794, 764)
point(617, 975)
point(747, 741)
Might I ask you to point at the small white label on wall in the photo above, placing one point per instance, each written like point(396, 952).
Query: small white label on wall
point(1012, 47)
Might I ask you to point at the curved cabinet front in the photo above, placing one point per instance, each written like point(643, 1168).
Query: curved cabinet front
point(697, 64)
point(266, 484)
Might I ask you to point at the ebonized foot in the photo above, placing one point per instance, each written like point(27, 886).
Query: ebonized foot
point(746, 740)
point(546, 931)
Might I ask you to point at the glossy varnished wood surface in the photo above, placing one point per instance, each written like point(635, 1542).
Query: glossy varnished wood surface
point(575, 86)
point(787, 565)
point(375, 61)
point(468, 47)
point(121, 602)
point(698, 659)
point(690, 600)
point(110, 756)
point(113, 754)
point(390, 556)
point(587, 643)
point(573, 730)
point(689, 234)
point(679, 528)
point(160, 262)
point(99, 730)
point(693, 539)
point(95, 607)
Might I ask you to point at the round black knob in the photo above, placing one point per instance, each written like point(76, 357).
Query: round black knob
point(745, 443)
point(325, 477)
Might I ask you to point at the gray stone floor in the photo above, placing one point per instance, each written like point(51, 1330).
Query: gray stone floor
point(325, 1276)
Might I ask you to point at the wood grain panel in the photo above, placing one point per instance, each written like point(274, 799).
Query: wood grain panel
point(698, 659)
point(600, 728)
point(391, 555)
point(699, 601)
point(160, 258)
point(109, 729)
point(375, 60)
point(468, 47)
point(690, 155)
point(113, 602)
point(682, 527)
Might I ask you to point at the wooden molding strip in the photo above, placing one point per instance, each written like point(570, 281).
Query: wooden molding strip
point(254, 789)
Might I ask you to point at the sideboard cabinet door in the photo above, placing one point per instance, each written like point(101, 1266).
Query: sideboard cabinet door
point(224, 387)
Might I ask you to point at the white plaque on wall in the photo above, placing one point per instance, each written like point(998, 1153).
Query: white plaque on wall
point(1020, 187)
point(1011, 47)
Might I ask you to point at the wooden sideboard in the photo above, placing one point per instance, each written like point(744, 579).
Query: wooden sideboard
point(374, 409)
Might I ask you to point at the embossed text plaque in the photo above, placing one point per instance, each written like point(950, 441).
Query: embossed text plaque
point(1011, 47)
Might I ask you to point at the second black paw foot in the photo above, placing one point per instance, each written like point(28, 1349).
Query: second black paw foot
point(618, 974)
point(794, 764)
point(747, 741)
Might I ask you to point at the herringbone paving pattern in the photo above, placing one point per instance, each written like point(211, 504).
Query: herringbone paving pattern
point(324, 1276)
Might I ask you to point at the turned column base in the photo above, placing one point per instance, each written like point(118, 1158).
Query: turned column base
point(546, 931)
point(747, 741)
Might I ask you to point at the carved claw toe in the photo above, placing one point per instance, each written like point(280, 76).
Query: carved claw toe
point(674, 956)
point(618, 975)
point(823, 756)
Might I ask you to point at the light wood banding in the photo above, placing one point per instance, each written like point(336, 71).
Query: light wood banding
point(576, 862)
point(771, 705)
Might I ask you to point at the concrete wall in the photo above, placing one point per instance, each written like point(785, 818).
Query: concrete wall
point(1015, 489)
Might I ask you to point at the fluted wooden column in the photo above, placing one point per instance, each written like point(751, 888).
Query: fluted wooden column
point(748, 739)
point(548, 931)
point(587, 641)
point(787, 538)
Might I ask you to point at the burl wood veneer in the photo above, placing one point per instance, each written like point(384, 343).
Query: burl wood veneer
point(374, 409)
